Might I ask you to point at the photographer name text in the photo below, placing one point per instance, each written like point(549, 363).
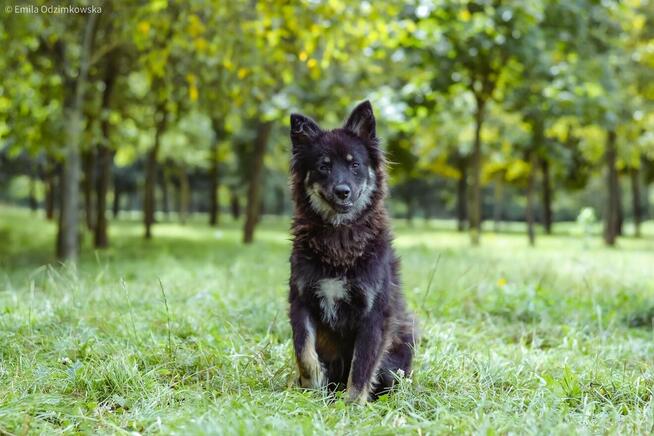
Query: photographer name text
point(52, 9)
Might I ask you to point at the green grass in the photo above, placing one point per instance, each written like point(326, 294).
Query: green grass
point(556, 339)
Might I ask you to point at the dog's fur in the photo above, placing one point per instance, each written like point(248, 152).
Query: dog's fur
point(350, 325)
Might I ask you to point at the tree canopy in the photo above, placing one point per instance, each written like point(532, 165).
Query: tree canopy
point(488, 108)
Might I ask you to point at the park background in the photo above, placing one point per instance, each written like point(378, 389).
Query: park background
point(144, 210)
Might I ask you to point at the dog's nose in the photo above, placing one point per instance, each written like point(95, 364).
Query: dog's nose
point(342, 191)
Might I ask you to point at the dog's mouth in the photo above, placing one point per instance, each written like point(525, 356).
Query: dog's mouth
point(343, 208)
point(338, 206)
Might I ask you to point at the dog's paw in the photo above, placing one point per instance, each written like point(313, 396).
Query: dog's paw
point(356, 397)
point(314, 378)
point(312, 383)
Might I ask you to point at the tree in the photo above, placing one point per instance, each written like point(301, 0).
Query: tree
point(104, 153)
point(156, 37)
point(74, 87)
point(477, 45)
point(215, 36)
point(115, 30)
point(303, 45)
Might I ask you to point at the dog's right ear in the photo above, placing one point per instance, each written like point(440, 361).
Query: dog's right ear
point(304, 131)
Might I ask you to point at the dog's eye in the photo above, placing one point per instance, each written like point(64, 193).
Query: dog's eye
point(355, 165)
point(324, 167)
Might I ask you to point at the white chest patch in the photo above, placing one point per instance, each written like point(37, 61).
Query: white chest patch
point(331, 292)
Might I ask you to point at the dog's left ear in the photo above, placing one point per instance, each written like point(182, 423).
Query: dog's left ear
point(304, 131)
point(362, 121)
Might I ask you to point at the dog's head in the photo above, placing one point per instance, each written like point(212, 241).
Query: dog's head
point(337, 170)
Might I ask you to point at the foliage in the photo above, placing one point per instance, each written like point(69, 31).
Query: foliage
point(539, 77)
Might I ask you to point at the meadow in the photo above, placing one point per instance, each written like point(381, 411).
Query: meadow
point(188, 334)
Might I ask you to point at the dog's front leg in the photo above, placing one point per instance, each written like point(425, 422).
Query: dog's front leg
point(368, 350)
point(312, 373)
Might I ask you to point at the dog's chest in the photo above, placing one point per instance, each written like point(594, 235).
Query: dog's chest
point(332, 293)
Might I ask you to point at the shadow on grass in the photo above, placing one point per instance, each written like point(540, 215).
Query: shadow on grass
point(641, 318)
point(27, 241)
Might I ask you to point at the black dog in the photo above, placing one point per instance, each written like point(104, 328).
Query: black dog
point(350, 325)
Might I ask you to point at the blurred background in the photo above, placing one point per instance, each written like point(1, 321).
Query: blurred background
point(501, 115)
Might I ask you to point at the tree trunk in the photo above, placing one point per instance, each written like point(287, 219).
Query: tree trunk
point(50, 189)
point(104, 158)
point(214, 201)
point(644, 198)
point(88, 164)
point(32, 193)
point(410, 206)
point(611, 216)
point(530, 199)
point(498, 203)
point(475, 197)
point(151, 171)
point(462, 194)
point(184, 194)
point(254, 187)
point(149, 194)
point(116, 206)
point(214, 204)
point(547, 196)
point(620, 208)
point(68, 236)
point(165, 190)
point(636, 200)
point(235, 205)
point(645, 205)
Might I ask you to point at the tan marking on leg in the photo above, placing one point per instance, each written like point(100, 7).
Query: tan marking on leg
point(312, 374)
point(361, 396)
point(355, 396)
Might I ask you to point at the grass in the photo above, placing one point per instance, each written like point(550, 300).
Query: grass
point(188, 334)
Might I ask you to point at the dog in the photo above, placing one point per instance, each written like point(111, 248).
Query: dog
point(351, 327)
